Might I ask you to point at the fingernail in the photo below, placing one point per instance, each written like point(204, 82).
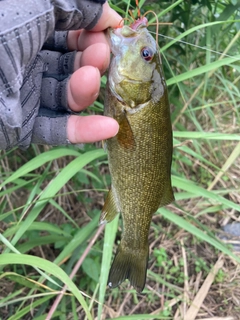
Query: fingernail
point(95, 95)
point(116, 132)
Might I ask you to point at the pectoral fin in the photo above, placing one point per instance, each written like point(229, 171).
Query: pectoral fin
point(110, 209)
point(125, 134)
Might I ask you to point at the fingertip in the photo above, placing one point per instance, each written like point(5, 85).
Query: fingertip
point(91, 128)
point(96, 55)
point(109, 18)
point(83, 87)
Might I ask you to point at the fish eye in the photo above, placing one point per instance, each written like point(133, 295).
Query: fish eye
point(147, 53)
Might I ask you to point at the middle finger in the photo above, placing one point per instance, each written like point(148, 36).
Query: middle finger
point(96, 55)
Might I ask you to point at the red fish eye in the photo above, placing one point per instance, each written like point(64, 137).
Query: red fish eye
point(147, 53)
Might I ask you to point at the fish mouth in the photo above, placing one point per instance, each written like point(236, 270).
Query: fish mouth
point(139, 23)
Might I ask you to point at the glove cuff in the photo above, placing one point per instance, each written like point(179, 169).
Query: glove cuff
point(50, 131)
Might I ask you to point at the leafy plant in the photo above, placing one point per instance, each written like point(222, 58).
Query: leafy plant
point(51, 198)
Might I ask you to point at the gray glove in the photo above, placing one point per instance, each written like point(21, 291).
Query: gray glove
point(33, 94)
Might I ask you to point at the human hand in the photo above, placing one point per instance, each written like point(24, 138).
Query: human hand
point(44, 78)
point(92, 59)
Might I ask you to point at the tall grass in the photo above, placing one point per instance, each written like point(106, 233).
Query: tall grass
point(51, 199)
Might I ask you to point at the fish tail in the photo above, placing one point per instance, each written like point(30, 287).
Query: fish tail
point(129, 264)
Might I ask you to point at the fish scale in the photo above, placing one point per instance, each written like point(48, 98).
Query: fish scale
point(140, 155)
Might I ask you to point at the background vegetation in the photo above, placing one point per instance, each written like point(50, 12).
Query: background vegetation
point(50, 198)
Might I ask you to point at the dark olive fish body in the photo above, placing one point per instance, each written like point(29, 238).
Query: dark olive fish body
point(140, 155)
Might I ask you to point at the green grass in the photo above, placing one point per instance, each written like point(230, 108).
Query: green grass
point(50, 199)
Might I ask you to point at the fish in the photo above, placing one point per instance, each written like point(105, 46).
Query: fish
point(140, 155)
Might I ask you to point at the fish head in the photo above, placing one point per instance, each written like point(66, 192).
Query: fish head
point(135, 75)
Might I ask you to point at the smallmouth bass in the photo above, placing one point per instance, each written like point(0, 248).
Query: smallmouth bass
point(140, 155)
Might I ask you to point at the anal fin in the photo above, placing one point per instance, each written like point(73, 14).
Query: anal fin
point(110, 209)
point(168, 197)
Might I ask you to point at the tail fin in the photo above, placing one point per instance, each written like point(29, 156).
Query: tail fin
point(131, 265)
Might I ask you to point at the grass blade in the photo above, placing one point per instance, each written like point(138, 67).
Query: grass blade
point(109, 237)
point(49, 267)
point(183, 223)
point(55, 185)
